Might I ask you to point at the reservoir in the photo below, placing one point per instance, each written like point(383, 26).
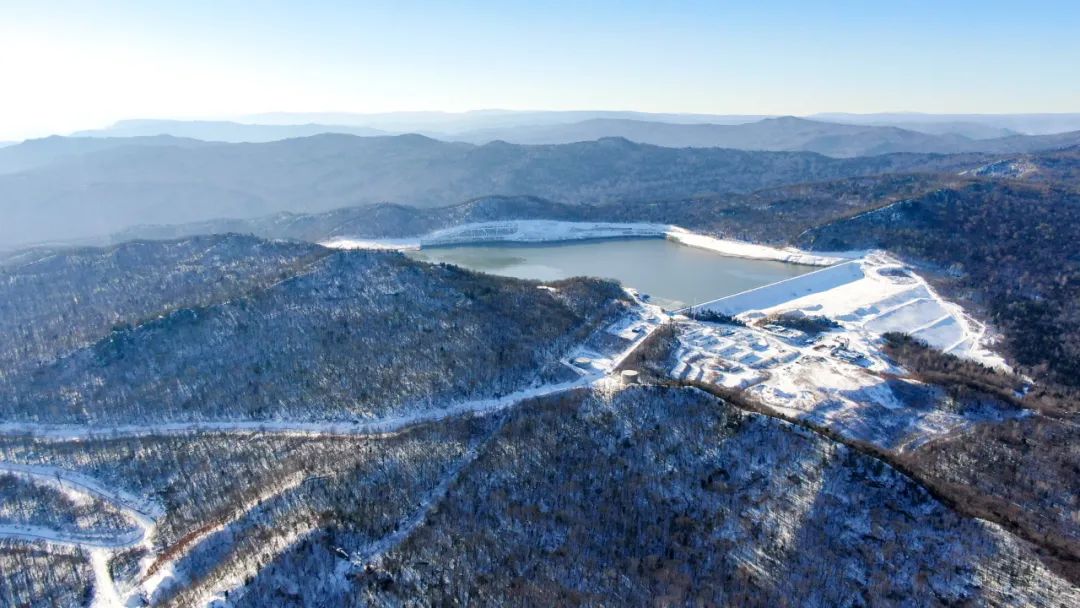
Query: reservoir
point(673, 275)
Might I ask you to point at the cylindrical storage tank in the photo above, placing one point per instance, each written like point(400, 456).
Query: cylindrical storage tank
point(629, 376)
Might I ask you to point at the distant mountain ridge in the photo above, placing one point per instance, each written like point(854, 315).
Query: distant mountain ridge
point(785, 133)
point(1030, 124)
point(223, 131)
point(106, 190)
point(457, 122)
point(975, 126)
point(34, 153)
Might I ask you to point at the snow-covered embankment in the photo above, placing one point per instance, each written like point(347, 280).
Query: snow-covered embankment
point(552, 231)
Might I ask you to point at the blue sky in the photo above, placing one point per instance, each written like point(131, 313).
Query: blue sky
point(70, 65)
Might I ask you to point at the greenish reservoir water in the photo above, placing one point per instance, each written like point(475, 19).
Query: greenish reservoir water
point(673, 275)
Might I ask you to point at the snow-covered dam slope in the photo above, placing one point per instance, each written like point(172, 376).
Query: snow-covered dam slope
point(870, 296)
point(787, 290)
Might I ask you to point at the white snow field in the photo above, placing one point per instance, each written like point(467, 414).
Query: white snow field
point(870, 296)
point(840, 380)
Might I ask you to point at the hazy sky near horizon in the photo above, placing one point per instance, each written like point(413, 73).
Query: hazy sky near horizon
point(67, 65)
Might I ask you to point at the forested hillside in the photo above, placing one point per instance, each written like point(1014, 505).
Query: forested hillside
point(55, 300)
point(354, 335)
point(1019, 472)
point(773, 215)
point(670, 495)
point(378, 221)
point(1012, 249)
point(230, 501)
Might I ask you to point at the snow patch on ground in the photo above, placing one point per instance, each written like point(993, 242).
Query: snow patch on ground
point(105, 595)
point(389, 244)
point(840, 381)
point(741, 249)
point(1017, 168)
